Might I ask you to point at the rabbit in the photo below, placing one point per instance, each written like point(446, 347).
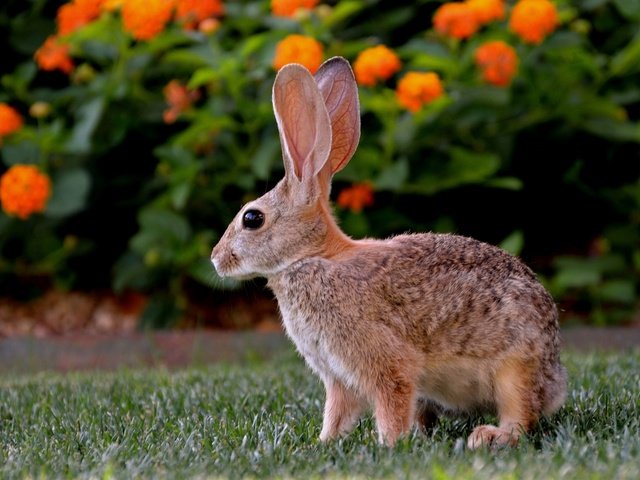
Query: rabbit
point(412, 326)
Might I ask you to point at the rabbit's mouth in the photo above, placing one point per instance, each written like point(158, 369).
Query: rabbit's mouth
point(225, 263)
point(228, 265)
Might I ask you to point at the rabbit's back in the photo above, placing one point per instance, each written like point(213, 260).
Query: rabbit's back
point(435, 293)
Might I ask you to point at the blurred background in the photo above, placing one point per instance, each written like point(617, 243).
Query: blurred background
point(131, 131)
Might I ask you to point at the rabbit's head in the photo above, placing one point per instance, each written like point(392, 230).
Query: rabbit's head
point(318, 119)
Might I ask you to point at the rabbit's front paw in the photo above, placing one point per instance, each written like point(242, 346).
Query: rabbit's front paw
point(342, 410)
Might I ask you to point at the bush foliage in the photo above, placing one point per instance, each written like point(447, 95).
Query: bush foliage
point(153, 122)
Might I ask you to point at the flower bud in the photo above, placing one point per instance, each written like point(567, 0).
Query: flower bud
point(40, 109)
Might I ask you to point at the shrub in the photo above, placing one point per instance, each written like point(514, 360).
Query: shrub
point(507, 121)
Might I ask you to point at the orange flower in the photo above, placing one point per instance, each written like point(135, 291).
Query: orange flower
point(376, 63)
point(76, 14)
point(486, 11)
point(191, 12)
point(288, 8)
point(533, 20)
point(54, 55)
point(457, 20)
point(10, 120)
point(179, 98)
point(416, 89)
point(24, 190)
point(498, 62)
point(145, 19)
point(298, 49)
point(356, 197)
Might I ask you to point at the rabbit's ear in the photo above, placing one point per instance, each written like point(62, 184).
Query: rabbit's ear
point(340, 92)
point(303, 122)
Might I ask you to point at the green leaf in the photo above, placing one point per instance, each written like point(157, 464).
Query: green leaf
point(87, 118)
point(254, 43)
point(180, 195)
point(22, 152)
point(394, 176)
point(165, 224)
point(613, 129)
point(513, 243)
point(576, 278)
point(622, 291)
point(428, 55)
point(508, 183)
point(193, 57)
point(70, 191)
point(203, 76)
point(262, 160)
point(626, 60)
point(342, 11)
point(463, 167)
point(20, 79)
point(630, 9)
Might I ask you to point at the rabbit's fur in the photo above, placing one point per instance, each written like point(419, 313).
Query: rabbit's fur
point(411, 326)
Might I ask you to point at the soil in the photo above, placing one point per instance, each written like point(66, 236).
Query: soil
point(67, 331)
point(63, 313)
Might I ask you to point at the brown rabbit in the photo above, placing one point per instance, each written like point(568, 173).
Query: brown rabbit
point(412, 326)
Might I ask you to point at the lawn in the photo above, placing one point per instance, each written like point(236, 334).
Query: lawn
point(262, 419)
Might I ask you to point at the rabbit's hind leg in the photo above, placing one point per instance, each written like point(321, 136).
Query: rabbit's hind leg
point(517, 404)
point(342, 409)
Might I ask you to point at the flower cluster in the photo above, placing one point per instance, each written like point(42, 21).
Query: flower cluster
point(191, 13)
point(10, 120)
point(54, 55)
point(356, 197)
point(76, 14)
point(497, 61)
point(179, 98)
point(375, 64)
point(300, 49)
point(289, 8)
point(24, 190)
point(463, 19)
point(143, 19)
point(531, 20)
point(416, 89)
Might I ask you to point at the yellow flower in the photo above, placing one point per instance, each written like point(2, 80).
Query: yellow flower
point(498, 62)
point(416, 89)
point(374, 64)
point(24, 190)
point(300, 49)
point(54, 55)
point(288, 8)
point(10, 120)
point(356, 197)
point(145, 19)
point(533, 20)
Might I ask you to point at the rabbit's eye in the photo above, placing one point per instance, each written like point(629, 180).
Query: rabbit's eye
point(252, 219)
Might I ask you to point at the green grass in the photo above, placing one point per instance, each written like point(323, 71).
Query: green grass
point(263, 420)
